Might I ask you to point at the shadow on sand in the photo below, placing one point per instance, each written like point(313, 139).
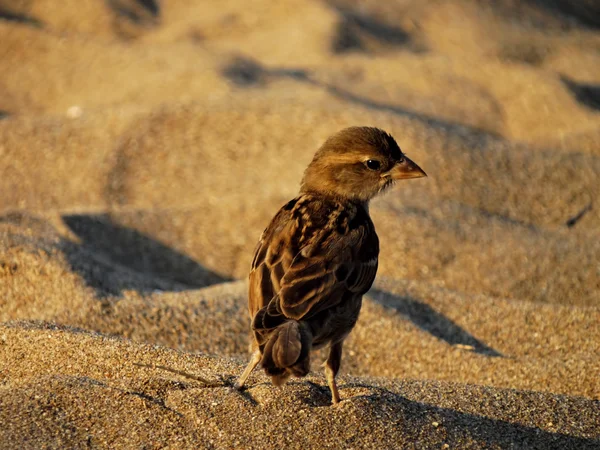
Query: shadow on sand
point(428, 319)
point(112, 258)
point(456, 428)
point(420, 422)
point(356, 27)
point(586, 94)
point(246, 72)
point(142, 12)
point(19, 17)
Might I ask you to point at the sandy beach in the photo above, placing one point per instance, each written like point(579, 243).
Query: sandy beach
point(144, 147)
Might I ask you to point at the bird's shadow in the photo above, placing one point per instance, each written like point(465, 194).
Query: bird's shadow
point(435, 323)
point(458, 425)
point(113, 258)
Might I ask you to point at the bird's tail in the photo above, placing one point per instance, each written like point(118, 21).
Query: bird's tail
point(287, 352)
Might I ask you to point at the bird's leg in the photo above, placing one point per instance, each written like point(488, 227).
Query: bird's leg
point(254, 360)
point(332, 365)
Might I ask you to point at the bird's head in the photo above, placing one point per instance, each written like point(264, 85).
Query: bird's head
point(358, 163)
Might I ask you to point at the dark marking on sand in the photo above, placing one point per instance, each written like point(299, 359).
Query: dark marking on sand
point(224, 381)
point(18, 17)
point(435, 323)
point(586, 94)
point(586, 12)
point(577, 217)
point(143, 12)
point(356, 27)
point(453, 427)
point(190, 376)
point(112, 258)
point(246, 72)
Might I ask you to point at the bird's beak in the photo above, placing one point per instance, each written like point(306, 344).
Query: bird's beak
point(406, 169)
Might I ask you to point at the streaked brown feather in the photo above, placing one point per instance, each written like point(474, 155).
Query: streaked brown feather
point(286, 350)
point(301, 253)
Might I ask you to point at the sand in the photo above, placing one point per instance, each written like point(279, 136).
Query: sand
point(144, 146)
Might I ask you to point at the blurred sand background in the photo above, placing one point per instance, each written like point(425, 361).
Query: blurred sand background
point(144, 146)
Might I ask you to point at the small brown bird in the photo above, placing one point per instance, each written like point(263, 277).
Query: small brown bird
point(319, 255)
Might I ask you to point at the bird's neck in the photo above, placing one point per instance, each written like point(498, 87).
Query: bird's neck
point(335, 197)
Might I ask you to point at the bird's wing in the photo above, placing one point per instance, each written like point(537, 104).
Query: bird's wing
point(308, 259)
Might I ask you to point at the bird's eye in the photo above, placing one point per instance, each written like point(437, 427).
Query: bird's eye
point(373, 164)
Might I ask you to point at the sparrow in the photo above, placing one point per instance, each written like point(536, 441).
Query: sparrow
point(319, 255)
